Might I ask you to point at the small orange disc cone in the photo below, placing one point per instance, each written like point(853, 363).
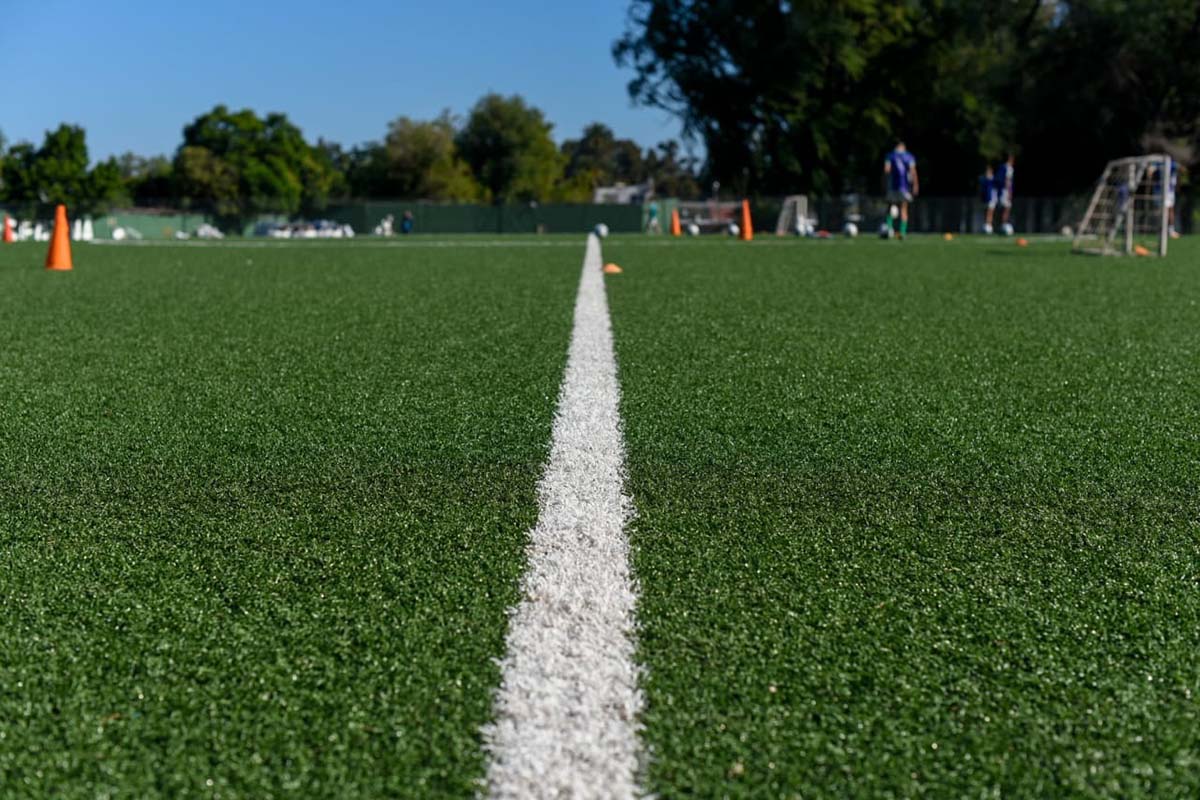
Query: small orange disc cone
point(676, 226)
point(747, 231)
point(59, 257)
point(612, 269)
point(8, 231)
point(1022, 243)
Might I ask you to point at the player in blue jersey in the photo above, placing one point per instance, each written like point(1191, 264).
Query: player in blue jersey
point(1004, 192)
point(988, 195)
point(900, 177)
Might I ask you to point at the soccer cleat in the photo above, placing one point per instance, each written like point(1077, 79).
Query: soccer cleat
point(988, 229)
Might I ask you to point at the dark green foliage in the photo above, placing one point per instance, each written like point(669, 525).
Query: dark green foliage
point(420, 161)
point(508, 145)
point(34, 180)
point(674, 174)
point(262, 511)
point(914, 520)
point(150, 181)
point(603, 158)
point(1114, 77)
point(238, 165)
point(808, 95)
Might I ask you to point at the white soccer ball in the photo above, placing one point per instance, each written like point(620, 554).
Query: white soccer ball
point(733, 229)
point(884, 231)
point(602, 230)
point(1067, 231)
point(1008, 229)
point(850, 229)
point(894, 211)
point(693, 229)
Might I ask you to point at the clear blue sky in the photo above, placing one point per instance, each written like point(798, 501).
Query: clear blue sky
point(133, 72)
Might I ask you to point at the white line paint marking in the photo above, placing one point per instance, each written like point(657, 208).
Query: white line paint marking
point(567, 709)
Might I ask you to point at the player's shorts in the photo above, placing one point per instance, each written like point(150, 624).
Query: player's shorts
point(1005, 199)
point(1170, 199)
point(899, 196)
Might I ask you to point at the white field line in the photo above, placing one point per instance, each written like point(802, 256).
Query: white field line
point(567, 708)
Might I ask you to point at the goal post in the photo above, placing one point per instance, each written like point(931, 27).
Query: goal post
point(1129, 211)
point(793, 216)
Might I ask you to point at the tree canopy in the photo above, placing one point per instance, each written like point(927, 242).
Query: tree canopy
point(807, 95)
point(237, 165)
point(508, 145)
point(58, 172)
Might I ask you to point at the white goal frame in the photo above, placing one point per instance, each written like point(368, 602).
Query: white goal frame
point(793, 216)
point(1128, 203)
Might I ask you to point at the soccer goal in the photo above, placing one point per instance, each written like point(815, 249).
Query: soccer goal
point(709, 216)
point(793, 217)
point(1130, 209)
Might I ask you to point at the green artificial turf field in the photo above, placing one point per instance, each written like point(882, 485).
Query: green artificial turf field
point(262, 510)
point(914, 520)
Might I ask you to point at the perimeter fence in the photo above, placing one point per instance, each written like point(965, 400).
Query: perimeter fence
point(928, 215)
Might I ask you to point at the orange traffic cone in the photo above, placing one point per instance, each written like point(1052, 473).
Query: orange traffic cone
point(59, 256)
point(8, 231)
point(676, 227)
point(747, 228)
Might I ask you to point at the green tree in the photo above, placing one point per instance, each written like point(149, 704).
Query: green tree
point(674, 175)
point(239, 165)
point(106, 189)
point(33, 180)
point(599, 154)
point(148, 181)
point(508, 146)
point(1107, 79)
point(784, 96)
point(422, 161)
point(18, 181)
point(366, 170)
point(206, 180)
point(60, 168)
point(807, 95)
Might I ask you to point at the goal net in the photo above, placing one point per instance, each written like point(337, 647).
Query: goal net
point(1130, 208)
point(709, 216)
point(793, 217)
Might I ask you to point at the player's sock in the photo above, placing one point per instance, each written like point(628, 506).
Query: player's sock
point(891, 223)
point(903, 227)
